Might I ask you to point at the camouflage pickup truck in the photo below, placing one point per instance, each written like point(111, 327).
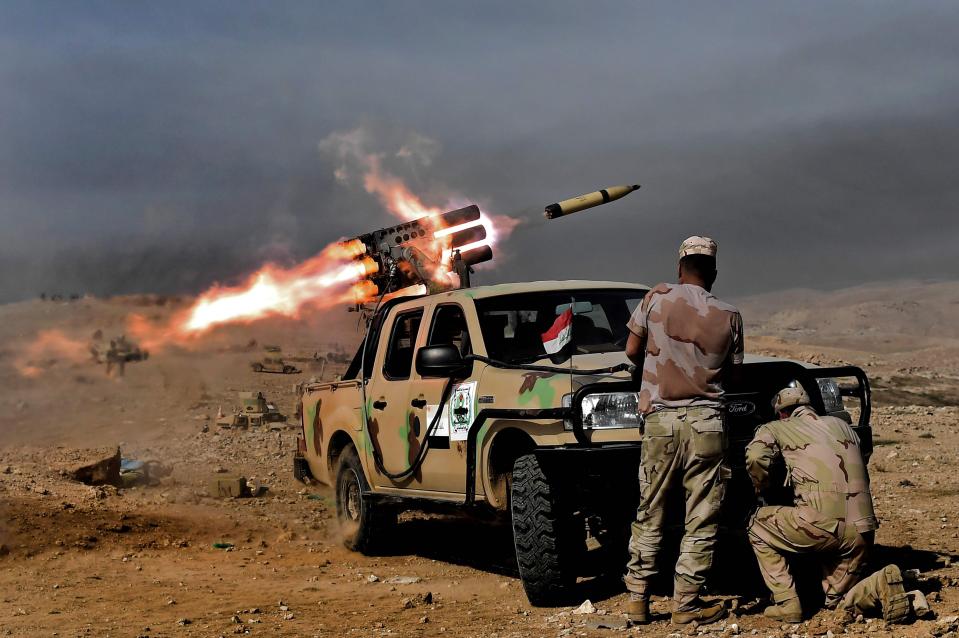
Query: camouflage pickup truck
point(453, 403)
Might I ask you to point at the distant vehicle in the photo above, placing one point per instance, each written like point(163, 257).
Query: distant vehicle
point(274, 365)
point(119, 352)
point(254, 411)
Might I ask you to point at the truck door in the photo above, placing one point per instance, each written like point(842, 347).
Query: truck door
point(395, 438)
point(444, 469)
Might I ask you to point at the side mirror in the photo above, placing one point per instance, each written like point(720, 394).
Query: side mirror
point(441, 361)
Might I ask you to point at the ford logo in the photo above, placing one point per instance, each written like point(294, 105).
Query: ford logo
point(741, 408)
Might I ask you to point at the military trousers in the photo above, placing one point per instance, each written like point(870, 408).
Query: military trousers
point(682, 458)
point(777, 531)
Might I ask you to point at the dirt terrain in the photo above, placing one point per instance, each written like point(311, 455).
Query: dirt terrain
point(100, 561)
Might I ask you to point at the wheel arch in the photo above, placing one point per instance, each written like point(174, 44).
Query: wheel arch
point(339, 441)
point(506, 445)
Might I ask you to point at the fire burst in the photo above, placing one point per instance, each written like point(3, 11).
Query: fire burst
point(339, 274)
point(334, 276)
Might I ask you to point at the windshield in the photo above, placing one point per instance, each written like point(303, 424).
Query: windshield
point(513, 325)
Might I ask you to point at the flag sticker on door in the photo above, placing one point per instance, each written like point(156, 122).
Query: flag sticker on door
point(461, 410)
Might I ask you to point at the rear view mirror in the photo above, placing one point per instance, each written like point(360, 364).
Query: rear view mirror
point(579, 308)
point(441, 361)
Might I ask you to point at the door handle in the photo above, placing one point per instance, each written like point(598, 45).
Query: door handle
point(379, 405)
point(418, 403)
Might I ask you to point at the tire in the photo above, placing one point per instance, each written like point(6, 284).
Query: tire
point(363, 522)
point(542, 535)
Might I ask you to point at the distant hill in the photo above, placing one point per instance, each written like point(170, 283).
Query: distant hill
point(886, 317)
point(905, 334)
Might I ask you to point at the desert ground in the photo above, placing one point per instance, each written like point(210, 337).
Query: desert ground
point(80, 560)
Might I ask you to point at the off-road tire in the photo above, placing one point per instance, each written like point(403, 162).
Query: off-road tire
point(541, 534)
point(364, 523)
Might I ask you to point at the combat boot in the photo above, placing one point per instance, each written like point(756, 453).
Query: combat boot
point(699, 612)
point(788, 611)
point(895, 602)
point(637, 609)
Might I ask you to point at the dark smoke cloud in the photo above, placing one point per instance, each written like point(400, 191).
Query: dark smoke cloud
point(164, 147)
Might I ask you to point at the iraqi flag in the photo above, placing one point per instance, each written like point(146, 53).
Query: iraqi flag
point(560, 334)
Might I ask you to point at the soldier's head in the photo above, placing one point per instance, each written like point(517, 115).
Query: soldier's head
point(788, 399)
point(697, 262)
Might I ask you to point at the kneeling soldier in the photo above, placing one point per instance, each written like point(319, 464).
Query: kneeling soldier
point(832, 514)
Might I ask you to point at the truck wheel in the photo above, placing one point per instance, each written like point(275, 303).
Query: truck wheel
point(363, 521)
point(541, 534)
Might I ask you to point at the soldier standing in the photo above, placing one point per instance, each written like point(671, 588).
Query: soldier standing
point(685, 340)
point(832, 514)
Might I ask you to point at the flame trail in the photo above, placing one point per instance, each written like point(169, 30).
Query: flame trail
point(333, 277)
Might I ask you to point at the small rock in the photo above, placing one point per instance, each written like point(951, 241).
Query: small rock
point(596, 621)
point(892, 455)
point(586, 608)
point(424, 620)
point(372, 578)
point(920, 606)
point(403, 580)
point(184, 621)
point(236, 620)
point(289, 616)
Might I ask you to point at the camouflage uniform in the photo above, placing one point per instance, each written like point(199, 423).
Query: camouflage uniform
point(833, 505)
point(690, 338)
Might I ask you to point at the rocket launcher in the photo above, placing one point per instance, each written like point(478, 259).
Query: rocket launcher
point(413, 252)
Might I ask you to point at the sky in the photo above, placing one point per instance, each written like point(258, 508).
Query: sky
point(163, 147)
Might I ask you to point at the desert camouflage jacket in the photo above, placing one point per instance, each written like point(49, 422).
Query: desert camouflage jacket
point(824, 465)
point(691, 338)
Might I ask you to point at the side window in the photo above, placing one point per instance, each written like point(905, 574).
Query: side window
point(449, 327)
point(399, 355)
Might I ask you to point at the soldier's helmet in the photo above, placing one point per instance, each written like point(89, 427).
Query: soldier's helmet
point(790, 396)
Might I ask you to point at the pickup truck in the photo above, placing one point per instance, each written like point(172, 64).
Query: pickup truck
point(452, 403)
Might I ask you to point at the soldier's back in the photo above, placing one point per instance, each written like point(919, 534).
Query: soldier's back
point(826, 467)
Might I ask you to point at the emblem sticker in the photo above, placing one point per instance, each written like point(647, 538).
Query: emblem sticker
point(462, 410)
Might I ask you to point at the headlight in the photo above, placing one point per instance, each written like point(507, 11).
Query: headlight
point(608, 410)
point(831, 395)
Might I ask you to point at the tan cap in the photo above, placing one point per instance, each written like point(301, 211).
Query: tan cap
point(697, 245)
point(789, 397)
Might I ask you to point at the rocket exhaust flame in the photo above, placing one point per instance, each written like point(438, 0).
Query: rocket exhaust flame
point(347, 272)
point(343, 273)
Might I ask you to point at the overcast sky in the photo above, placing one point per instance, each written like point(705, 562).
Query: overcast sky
point(164, 146)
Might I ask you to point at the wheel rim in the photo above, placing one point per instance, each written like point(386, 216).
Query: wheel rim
point(352, 504)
